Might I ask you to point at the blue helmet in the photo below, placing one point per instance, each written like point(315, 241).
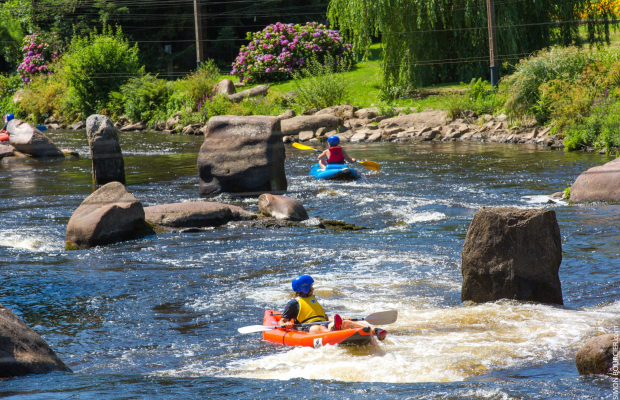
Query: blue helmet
point(333, 140)
point(10, 117)
point(302, 284)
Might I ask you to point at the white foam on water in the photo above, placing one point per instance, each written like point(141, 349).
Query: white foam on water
point(30, 240)
point(541, 199)
point(439, 345)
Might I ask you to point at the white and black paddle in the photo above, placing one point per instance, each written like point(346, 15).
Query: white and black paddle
point(378, 318)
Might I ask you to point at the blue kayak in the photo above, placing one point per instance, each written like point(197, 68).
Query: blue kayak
point(335, 171)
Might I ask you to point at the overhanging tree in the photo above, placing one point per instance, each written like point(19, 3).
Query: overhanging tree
point(433, 41)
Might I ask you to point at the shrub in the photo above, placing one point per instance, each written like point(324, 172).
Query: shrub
point(477, 98)
point(94, 66)
point(524, 85)
point(600, 129)
point(321, 85)
point(39, 51)
point(9, 84)
point(144, 98)
point(194, 89)
point(43, 98)
point(276, 51)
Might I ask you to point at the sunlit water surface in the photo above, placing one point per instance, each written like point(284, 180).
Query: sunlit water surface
point(157, 317)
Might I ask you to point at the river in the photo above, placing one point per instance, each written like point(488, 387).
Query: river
point(158, 317)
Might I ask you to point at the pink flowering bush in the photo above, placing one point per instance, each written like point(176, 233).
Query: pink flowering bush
point(279, 49)
point(38, 54)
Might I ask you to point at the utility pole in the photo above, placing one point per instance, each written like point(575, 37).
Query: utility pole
point(493, 43)
point(198, 23)
point(34, 3)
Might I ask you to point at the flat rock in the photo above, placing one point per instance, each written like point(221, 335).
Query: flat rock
point(138, 126)
point(426, 118)
point(29, 140)
point(282, 207)
point(109, 215)
point(6, 151)
point(77, 125)
point(345, 111)
point(195, 214)
point(601, 184)
point(293, 126)
point(259, 90)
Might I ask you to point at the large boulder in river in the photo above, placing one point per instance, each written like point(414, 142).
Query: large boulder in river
point(282, 207)
point(22, 350)
point(600, 183)
point(243, 156)
point(109, 215)
point(105, 149)
point(195, 214)
point(29, 140)
point(512, 253)
point(596, 357)
point(293, 126)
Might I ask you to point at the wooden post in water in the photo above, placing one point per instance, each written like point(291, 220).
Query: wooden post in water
point(492, 43)
point(198, 24)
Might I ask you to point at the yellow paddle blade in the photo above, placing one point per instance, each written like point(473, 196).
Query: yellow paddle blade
point(371, 165)
point(302, 147)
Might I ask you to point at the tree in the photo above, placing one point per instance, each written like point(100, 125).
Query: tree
point(433, 41)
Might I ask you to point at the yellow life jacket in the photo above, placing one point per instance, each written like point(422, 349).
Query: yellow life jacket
point(310, 310)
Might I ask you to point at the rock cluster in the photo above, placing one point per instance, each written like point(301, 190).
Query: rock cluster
point(512, 253)
point(29, 140)
point(366, 125)
point(22, 350)
point(195, 215)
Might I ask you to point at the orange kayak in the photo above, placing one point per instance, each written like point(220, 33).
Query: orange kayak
point(4, 136)
point(358, 337)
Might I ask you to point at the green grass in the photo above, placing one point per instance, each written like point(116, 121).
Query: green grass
point(365, 82)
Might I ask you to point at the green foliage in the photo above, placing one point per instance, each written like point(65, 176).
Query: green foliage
point(427, 42)
point(524, 85)
point(566, 194)
point(271, 104)
point(478, 99)
point(194, 89)
point(145, 98)
point(599, 130)
point(94, 66)
point(15, 21)
point(321, 85)
point(43, 98)
point(9, 84)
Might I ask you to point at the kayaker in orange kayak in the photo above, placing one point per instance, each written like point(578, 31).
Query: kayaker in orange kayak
point(335, 154)
point(305, 308)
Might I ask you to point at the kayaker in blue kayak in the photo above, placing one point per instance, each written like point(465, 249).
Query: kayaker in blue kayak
point(9, 118)
point(305, 308)
point(335, 154)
